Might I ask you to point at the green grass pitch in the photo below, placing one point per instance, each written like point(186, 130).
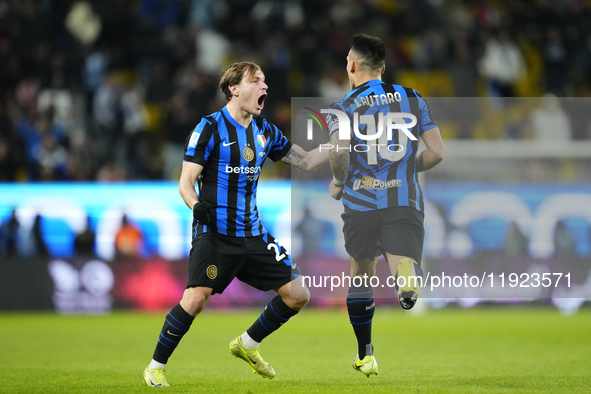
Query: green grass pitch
point(482, 350)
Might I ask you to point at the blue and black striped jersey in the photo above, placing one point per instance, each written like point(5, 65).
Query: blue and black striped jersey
point(382, 173)
point(232, 157)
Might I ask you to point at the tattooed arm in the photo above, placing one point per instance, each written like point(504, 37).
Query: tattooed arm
point(339, 163)
point(307, 161)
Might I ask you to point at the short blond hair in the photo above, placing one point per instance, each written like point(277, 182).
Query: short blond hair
point(234, 74)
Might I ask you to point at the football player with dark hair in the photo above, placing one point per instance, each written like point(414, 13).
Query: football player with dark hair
point(378, 182)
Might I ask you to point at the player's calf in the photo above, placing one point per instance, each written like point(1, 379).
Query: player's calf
point(361, 307)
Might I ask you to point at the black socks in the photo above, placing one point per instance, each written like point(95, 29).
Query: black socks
point(176, 324)
point(361, 307)
point(275, 314)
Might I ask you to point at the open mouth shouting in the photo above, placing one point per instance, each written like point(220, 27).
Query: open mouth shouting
point(261, 100)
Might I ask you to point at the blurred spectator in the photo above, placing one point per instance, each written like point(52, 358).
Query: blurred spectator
point(9, 236)
point(549, 121)
point(33, 243)
point(111, 172)
point(207, 13)
point(555, 61)
point(107, 115)
point(502, 64)
point(26, 94)
point(486, 14)
point(159, 14)
point(82, 162)
point(333, 85)
point(516, 242)
point(94, 71)
point(312, 231)
point(180, 120)
point(84, 241)
point(131, 102)
point(38, 241)
point(59, 103)
point(83, 23)
point(212, 50)
point(52, 159)
point(160, 89)
point(129, 240)
point(41, 140)
point(463, 68)
point(564, 243)
point(431, 53)
point(7, 163)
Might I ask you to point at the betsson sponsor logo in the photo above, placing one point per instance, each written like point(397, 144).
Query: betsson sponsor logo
point(242, 169)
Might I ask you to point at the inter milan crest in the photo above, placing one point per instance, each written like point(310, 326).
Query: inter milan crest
point(212, 272)
point(248, 154)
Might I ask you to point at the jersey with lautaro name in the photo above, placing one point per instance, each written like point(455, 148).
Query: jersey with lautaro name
point(383, 170)
point(232, 157)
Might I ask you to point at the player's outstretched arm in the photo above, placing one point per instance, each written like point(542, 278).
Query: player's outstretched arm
point(435, 151)
point(307, 161)
point(189, 175)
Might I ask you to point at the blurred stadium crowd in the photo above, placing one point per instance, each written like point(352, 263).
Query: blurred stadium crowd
point(108, 90)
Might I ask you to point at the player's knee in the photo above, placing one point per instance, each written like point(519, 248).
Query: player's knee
point(297, 304)
point(363, 272)
point(194, 300)
point(363, 267)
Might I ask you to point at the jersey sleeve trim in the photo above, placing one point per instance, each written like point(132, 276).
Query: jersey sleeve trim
point(331, 119)
point(281, 145)
point(278, 155)
point(427, 121)
point(200, 143)
point(428, 127)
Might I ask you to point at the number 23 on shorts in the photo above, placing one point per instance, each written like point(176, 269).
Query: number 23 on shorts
point(278, 255)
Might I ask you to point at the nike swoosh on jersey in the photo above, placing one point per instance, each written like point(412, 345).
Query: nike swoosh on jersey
point(228, 143)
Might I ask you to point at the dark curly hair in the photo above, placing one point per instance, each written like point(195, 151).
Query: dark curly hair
point(370, 49)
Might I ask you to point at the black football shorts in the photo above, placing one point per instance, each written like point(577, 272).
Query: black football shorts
point(261, 262)
point(396, 230)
